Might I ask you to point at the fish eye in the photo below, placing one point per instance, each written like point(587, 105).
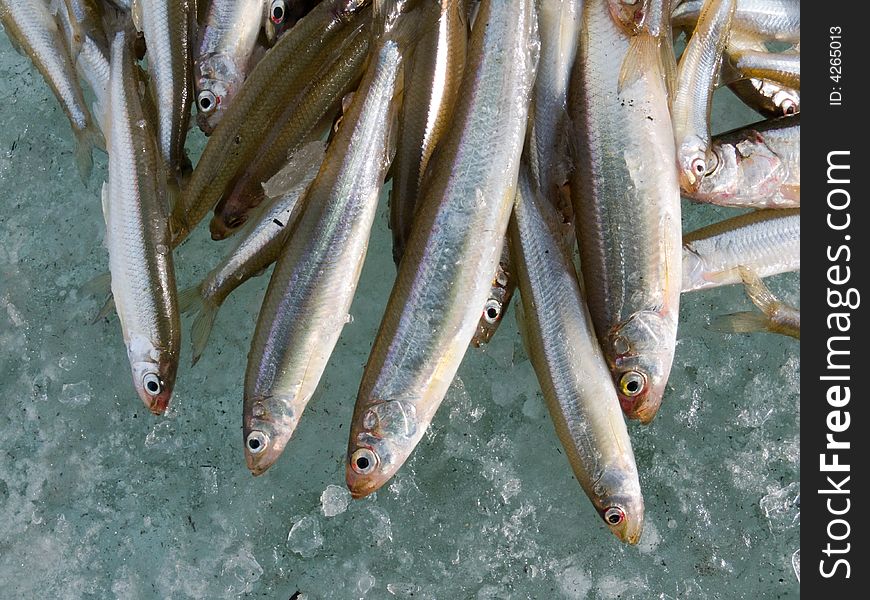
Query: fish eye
point(363, 461)
point(614, 515)
point(206, 101)
point(277, 11)
point(788, 107)
point(632, 383)
point(492, 310)
point(699, 166)
point(257, 442)
point(152, 384)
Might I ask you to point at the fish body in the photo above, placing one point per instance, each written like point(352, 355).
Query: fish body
point(559, 24)
point(757, 166)
point(433, 77)
point(135, 207)
point(168, 35)
point(626, 208)
point(259, 245)
point(299, 120)
point(224, 55)
point(35, 33)
point(281, 75)
point(697, 76)
point(772, 20)
point(766, 241)
point(767, 98)
point(783, 68)
point(446, 271)
point(571, 369)
point(312, 286)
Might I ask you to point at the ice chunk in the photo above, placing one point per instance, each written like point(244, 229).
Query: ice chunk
point(76, 394)
point(240, 572)
point(574, 582)
point(305, 538)
point(380, 527)
point(650, 538)
point(782, 507)
point(403, 590)
point(364, 583)
point(209, 479)
point(334, 500)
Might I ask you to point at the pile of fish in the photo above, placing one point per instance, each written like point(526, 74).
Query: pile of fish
point(532, 145)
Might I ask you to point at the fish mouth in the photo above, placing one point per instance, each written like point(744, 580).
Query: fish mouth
point(641, 409)
point(359, 487)
point(158, 405)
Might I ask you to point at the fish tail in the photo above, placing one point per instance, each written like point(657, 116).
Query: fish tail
point(742, 322)
point(192, 301)
point(86, 140)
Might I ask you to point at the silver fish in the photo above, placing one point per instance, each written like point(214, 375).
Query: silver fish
point(573, 374)
point(313, 284)
point(696, 80)
point(626, 207)
point(34, 32)
point(774, 20)
point(168, 36)
point(224, 55)
point(757, 166)
point(135, 206)
point(433, 78)
point(501, 291)
point(446, 271)
point(259, 245)
point(559, 23)
point(768, 98)
point(766, 241)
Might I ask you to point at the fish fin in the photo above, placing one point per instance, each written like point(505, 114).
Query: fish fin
point(191, 300)
point(104, 200)
point(86, 140)
point(669, 65)
point(643, 52)
point(98, 286)
point(742, 322)
point(759, 293)
point(105, 310)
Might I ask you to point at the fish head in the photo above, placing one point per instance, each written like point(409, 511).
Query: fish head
point(618, 499)
point(382, 438)
point(692, 162)
point(153, 374)
point(267, 427)
point(640, 353)
point(218, 80)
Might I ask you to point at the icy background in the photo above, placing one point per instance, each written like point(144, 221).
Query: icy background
point(99, 499)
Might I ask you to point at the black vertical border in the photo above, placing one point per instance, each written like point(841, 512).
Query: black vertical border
point(828, 128)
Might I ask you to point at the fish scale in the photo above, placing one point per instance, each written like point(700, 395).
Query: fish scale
point(167, 36)
point(627, 206)
point(571, 369)
point(446, 271)
point(137, 235)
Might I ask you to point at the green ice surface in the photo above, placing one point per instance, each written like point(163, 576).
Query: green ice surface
point(100, 499)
